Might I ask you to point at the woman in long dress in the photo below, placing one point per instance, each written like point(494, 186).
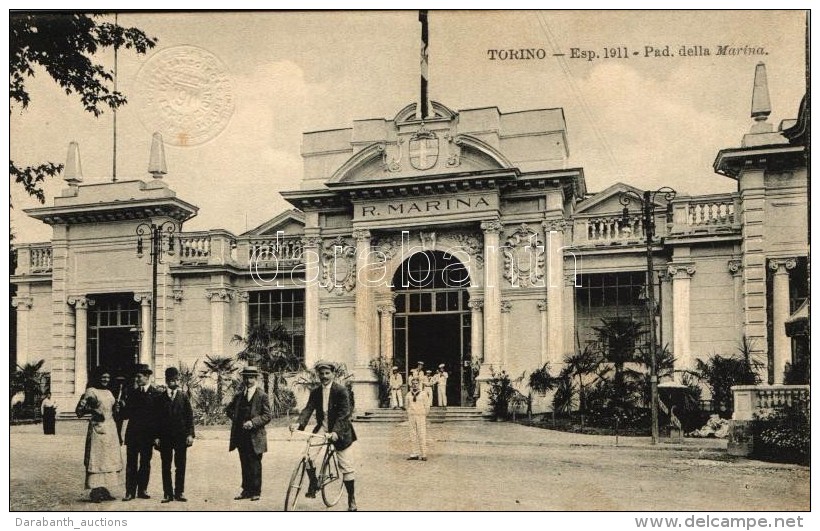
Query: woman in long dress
point(49, 410)
point(103, 460)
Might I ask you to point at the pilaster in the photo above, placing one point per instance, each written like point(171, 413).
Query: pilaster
point(81, 305)
point(781, 344)
point(681, 274)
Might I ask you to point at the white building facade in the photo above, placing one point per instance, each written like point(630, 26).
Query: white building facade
point(461, 239)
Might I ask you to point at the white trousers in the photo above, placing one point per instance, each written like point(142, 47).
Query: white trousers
point(442, 395)
point(396, 399)
point(418, 432)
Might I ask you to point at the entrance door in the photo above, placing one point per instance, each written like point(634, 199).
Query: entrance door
point(113, 337)
point(436, 339)
point(432, 320)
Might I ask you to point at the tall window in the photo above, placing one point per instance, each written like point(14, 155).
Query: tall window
point(610, 296)
point(285, 306)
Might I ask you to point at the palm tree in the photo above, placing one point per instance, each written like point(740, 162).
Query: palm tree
point(29, 379)
point(188, 381)
point(579, 365)
point(268, 347)
point(222, 367)
point(618, 337)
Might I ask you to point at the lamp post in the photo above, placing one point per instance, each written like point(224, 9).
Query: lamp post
point(161, 240)
point(648, 203)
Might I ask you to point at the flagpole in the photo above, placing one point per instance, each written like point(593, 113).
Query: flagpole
point(423, 109)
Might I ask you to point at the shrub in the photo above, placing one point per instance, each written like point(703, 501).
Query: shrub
point(282, 401)
point(208, 409)
point(720, 373)
point(502, 394)
point(784, 435)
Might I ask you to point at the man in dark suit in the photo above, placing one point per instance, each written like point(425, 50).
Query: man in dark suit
point(141, 411)
point(176, 434)
point(249, 412)
point(331, 402)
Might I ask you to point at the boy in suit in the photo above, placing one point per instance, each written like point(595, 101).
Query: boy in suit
point(141, 412)
point(331, 403)
point(176, 434)
point(249, 412)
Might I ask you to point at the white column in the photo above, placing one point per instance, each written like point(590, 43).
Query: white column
point(364, 299)
point(554, 237)
point(681, 278)
point(220, 298)
point(145, 323)
point(542, 309)
point(492, 297)
point(476, 305)
point(781, 343)
point(365, 384)
point(736, 270)
point(244, 312)
point(81, 305)
point(23, 306)
point(506, 308)
point(386, 312)
point(310, 250)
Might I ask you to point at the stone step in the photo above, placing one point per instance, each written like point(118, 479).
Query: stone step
point(437, 415)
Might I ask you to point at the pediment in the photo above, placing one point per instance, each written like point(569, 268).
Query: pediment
point(289, 222)
point(608, 201)
point(441, 154)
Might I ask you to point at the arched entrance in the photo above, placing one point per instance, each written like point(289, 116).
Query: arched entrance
point(432, 320)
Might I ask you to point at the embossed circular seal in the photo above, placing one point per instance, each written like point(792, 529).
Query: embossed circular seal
point(184, 92)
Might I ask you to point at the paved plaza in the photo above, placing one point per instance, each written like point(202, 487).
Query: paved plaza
point(472, 466)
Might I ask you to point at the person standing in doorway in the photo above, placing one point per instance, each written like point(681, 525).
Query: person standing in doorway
point(418, 372)
point(249, 412)
point(176, 434)
point(141, 411)
point(441, 386)
point(331, 402)
point(417, 409)
point(427, 384)
point(48, 409)
point(396, 383)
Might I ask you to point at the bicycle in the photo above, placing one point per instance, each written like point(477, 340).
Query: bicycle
point(328, 478)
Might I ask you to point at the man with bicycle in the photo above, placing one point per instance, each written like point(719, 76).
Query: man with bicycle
point(331, 402)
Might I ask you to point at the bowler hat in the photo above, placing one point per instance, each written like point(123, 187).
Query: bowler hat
point(321, 364)
point(171, 373)
point(142, 368)
point(250, 370)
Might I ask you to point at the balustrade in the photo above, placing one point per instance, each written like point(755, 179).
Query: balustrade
point(275, 250)
point(721, 212)
point(40, 259)
point(194, 247)
point(751, 400)
point(614, 228)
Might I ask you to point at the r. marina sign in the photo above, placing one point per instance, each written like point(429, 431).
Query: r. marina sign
point(464, 206)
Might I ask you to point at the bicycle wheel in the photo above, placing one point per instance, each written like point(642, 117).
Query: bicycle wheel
point(295, 485)
point(331, 478)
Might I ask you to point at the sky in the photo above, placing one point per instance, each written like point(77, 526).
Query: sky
point(648, 121)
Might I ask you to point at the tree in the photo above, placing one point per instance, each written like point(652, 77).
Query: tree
point(64, 45)
point(222, 368)
point(28, 379)
point(268, 347)
point(579, 365)
point(619, 338)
